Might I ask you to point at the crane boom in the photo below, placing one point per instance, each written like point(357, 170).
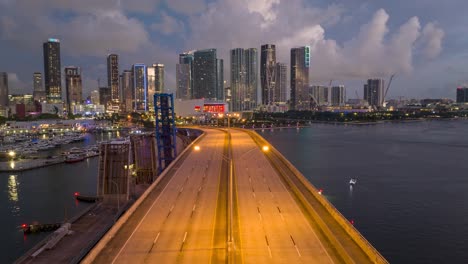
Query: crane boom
point(388, 86)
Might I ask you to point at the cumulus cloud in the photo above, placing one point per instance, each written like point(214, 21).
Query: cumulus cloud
point(168, 25)
point(432, 37)
point(375, 51)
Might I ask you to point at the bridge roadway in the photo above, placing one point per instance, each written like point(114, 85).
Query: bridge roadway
point(189, 219)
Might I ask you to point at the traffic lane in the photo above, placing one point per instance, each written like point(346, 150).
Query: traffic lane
point(287, 229)
point(144, 237)
point(173, 241)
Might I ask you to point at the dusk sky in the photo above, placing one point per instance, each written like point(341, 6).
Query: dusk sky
point(424, 42)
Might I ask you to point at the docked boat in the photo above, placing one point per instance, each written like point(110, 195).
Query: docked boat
point(88, 199)
point(352, 181)
point(72, 158)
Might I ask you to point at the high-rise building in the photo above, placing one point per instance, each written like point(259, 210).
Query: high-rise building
point(281, 81)
point(244, 74)
point(52, 74)
point(140, 88)
point(73, 87)
point(219, 80)
point(184, 76)
point(268, 73)
point(319, 95)
point(338, 94)
point(3, 89)
point(205, 82)
point(462, 95)
point(105, 96)
point(95, 97)
point(155, 75)
point(374, 92)
point(127, 90)
point(300, 62)
point(113, 77)
point(39, 93)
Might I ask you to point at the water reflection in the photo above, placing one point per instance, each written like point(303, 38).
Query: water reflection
point(13, 188)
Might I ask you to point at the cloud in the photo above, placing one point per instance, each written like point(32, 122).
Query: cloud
point(186, 7)
point(90, 29)
point(432, 37)
point(15, 85)
point(168, 25)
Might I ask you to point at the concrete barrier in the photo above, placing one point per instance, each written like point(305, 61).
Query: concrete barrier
point(357, 237)
point(122, 220)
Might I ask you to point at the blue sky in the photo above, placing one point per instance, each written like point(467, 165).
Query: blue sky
point(423, 41)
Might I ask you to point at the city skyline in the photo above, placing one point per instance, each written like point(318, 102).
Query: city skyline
point(347, 26)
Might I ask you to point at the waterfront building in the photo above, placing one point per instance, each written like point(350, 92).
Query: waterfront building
point(155, 75)
point(73, 87)
point(243, 79)
point(268, 73)
point(280, 91)
point(338, 95)
point(140, 88)
point(52, 71)
point(3, 90)
point(207, 69)
point(127, 90)
point(374, 92)
point(113, 77)
point(95, 97)
point(300, 62)
point(462, 95)
point(39, 93)
point(319, 95)
point(105, 96)
point(184, 76)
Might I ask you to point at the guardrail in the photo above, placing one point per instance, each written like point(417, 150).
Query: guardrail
point(122, 220)
point(357, 237)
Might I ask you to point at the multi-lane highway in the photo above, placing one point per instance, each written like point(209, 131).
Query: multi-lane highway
point(272, 227)
point(179, 226)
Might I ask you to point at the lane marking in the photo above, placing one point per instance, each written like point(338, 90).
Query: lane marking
point(268, 246)
point(154, 242)
point(298, 253)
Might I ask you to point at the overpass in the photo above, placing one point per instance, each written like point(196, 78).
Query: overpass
point(232, 198)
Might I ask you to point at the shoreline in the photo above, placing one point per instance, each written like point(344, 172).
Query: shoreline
point(30, 164)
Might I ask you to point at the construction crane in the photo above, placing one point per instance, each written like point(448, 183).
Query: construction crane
point(388, 86)
point(357, 96)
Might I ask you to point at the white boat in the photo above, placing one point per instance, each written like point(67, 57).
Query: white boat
point(352, 181)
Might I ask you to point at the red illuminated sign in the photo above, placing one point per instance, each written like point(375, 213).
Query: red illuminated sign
point(213, 108)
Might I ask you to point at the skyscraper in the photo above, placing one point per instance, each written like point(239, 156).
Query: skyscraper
point(300, 62)
point(374, 92)
point(127, 90)
point(244, 79)
point(3, 89)
point(155, 75)
point(184, 76)
point(280, 93)
point(338, 95)
point(104, 96)
point(205, 73)
point(267, 73)
point(219, 80)
point(95, 97)
point(52, 74)
point(462, 95)
point(113, 77)
point(39, 93)
point(73, 87)
point(319, 95)
point(140, 88)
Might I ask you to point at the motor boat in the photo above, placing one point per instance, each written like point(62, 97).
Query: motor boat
point(352, 181)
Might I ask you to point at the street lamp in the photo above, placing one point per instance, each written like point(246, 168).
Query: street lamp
point(12, 154)
point(196, 148)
